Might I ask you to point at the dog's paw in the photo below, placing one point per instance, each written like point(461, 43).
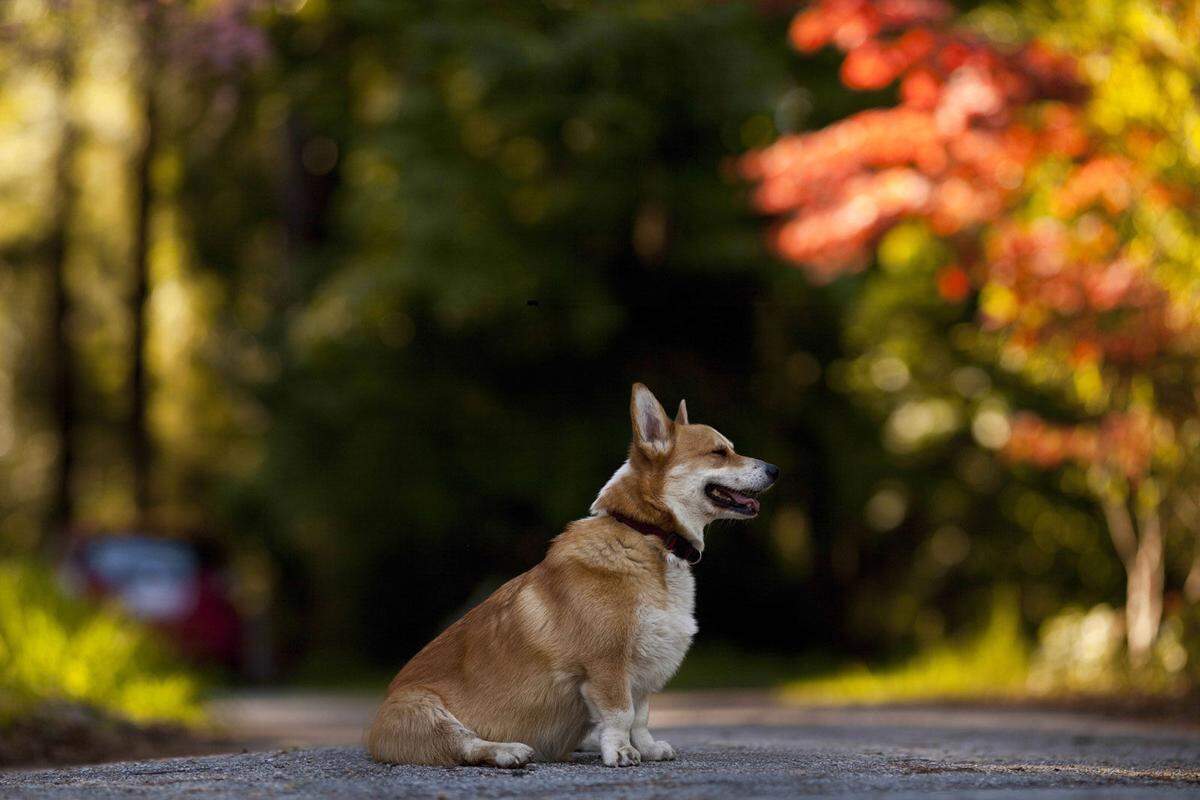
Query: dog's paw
point(623, 756)
point(508, 755)
point(657, 751)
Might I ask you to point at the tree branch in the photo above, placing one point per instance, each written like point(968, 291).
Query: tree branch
point(1121, 530)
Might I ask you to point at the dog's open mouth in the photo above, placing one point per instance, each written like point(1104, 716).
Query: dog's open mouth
point(741, 502)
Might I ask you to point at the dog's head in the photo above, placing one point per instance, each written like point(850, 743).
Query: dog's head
point(681, 473)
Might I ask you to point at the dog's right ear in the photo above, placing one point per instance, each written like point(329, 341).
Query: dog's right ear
point(652, 429)
point(681, 414)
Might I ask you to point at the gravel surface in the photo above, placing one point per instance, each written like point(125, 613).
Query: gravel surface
point(900, 752)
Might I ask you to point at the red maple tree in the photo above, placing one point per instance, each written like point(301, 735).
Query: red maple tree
point(965, 151)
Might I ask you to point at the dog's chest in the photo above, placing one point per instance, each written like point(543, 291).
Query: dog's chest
point(664, 631)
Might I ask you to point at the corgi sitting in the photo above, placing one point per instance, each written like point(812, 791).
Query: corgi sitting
point(585, 637)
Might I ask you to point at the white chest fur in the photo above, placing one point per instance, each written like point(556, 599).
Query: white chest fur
point(664, 631)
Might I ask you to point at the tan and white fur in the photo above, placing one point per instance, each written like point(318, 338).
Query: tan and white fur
point(585, 637)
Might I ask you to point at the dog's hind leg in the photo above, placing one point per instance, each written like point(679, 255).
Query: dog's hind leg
point(413, 726)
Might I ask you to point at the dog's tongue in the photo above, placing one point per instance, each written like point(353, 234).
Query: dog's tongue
point(749, 502)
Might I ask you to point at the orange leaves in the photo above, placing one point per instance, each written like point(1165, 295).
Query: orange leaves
point(870, 66)
point(1123, 442)
point(990, 149)
point(828, 240)
point(953, 284)
point(802, 171)
point(954, 152)
point(921, 88)
point(1110, 180)
point(874, 64)
point(1108, 302)
point(849, 23)
point(1062, 131)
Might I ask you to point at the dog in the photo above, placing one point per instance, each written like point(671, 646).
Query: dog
point(583, 639)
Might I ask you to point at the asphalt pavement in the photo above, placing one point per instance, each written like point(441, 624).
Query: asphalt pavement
point(729, 746)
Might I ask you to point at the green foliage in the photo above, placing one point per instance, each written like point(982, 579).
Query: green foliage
point(56, 648)
point(530, 210)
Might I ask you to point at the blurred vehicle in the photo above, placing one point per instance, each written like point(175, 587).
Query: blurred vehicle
point(178, 586)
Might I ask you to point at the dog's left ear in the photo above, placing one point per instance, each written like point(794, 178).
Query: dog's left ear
point(681, 414)
point(652, 429)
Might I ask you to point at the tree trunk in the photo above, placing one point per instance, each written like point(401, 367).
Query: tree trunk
point(1191, 585)
point(139, 439)
point(61, 511)
point(1142, 555)
point(1144, 591)
point(1188, 512)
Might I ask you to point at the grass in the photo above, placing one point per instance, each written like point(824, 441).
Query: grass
point(992, 664)
point(56, 648)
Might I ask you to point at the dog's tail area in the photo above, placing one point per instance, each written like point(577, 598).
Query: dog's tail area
point(413, 726)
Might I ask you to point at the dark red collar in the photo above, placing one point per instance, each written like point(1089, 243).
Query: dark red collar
point(674, 542)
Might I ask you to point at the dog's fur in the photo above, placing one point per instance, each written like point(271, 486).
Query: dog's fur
point(586, 636)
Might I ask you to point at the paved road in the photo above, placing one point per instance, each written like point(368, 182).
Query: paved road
point(730, 746)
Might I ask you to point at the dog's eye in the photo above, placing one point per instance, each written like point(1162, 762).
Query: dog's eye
point(720, 451)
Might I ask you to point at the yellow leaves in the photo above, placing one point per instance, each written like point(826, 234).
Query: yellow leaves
point(51, 647)
point(1130, 93)
point(1088, 383)
point(1163, 32)
point(908, 248)
point(1141, 392)
point(998, 303)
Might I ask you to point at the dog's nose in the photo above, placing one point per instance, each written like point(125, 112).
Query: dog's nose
point(771, 470)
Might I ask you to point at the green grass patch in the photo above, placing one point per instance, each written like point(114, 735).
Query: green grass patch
point(56, 648)
point(992, 664)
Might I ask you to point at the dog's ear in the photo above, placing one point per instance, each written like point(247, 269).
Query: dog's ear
point(681, 414)
point(652, 429)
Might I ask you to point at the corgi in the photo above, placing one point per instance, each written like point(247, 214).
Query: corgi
point(583, 639)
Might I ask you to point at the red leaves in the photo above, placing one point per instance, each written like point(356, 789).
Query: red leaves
point(828, 239)
point(956, 149)
point(850, 23)
point(870, 66)
point(973, 121)
point(921, 88)
point(1123, 442)
point(1109, 180)
point(990, 149)
point(1065, 290)
point(953, 284)
point(874, 64)
point(802, 171)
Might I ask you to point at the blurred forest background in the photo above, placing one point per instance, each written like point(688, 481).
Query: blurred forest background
point(352, 294)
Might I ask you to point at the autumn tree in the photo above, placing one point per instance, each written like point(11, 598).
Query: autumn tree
point(1052, 207)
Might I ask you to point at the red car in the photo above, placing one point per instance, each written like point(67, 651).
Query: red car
point(171, 584)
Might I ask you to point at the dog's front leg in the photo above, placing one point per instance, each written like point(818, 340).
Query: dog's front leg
point(607, 695)
point(650, 748)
